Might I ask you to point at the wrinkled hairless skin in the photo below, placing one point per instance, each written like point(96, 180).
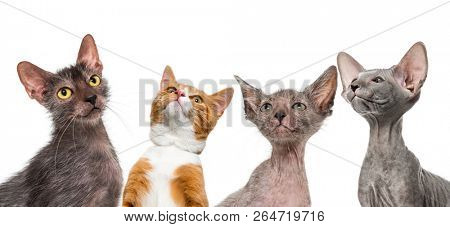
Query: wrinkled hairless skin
point(391, 175)
point(287, 118)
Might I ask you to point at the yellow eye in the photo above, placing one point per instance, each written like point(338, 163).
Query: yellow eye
point(64, 93)
point(94, 81)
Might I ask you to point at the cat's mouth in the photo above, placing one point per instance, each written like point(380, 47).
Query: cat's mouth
point(282, 128)
point(378, 102)
point(94, 111)
point(181, 107)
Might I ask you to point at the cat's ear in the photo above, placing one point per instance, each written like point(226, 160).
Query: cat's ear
point(167, 78)
point(222, 99)
point(252, 97)
point(349, 69)
point(88, 54)
point(411, 72)
point(323, 90)
point(34, 79)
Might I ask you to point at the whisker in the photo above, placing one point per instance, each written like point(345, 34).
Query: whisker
point(57, 147)
point(73, 137)
point(57, 134)
point(120, 119)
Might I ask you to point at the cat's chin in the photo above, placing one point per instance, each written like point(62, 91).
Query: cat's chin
point(92, 117)
point(362, 106)
point(281, 130)
point(281, 133)
point(285, 139)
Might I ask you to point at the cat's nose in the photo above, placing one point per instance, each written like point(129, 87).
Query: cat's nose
point(180, 93)
point(280, 115)
point(354, 87)
point(91, 99)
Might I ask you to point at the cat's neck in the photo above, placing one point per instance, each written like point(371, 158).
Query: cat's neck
point(182, 137)
point(287, 171)
point(86, 133)
point(288, 156)
point(386, 135)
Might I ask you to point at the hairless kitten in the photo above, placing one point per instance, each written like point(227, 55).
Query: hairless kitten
point(391, 175)
point(287, 119)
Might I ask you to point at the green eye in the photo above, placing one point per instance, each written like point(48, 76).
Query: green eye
point(64, 93)
point(94, 81)
point(266, 107)
point(298, 106)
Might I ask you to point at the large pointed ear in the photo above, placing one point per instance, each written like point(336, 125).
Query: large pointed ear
point(167, 78)
point(349, 69)
point(34, 79)
point(252, 97)
point(222, 99)
point(88, 54)
point(411, 72)
point(323, 90)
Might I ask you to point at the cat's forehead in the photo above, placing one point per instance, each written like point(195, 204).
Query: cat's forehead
point(374, 72)
point(73, 73)
point(285, 94)
point(190, 90)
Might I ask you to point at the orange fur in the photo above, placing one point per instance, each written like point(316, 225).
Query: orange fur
point(138, 185)
point(204, 115)
point(177, 193)
point(188, 186)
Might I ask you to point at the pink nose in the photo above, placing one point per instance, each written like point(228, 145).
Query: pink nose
point(180, 93)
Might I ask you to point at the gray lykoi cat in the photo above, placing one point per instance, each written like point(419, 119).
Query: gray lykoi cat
point(79, 166)
point(287, 118)
point(391, 175)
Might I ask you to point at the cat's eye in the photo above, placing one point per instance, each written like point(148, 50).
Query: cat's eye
point(171, 89)
point(64, 93)
point(299, 106)
point(378, 79)
point(197, 99)
point(94, 81)
point(266, 107)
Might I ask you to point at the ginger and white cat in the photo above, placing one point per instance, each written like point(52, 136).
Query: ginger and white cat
point(170, 173)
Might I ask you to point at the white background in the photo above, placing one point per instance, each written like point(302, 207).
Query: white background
point(210, 40)
point(352, 216)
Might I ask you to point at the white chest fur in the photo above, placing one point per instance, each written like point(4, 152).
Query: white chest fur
point(182, 136)
point(164, 161)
